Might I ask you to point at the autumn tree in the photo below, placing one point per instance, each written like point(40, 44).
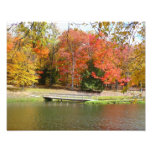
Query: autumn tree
point(116, 51)
point(72, 54)
point(124, 37)
point(105, 59)
point(137, 66)
point(41, 37)
point(20, 68)
point(53, 49)
point(29, 48)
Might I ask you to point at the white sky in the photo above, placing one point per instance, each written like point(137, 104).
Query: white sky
point(64, 26)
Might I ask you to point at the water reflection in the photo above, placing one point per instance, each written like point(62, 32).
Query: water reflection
point(74, 116)
point(118, 117)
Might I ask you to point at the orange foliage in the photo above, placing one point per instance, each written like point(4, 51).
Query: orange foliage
point(10, 43)
point(73, 42)
point(41, 51)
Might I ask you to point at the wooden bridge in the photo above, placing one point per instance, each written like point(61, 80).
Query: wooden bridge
point(72, 97)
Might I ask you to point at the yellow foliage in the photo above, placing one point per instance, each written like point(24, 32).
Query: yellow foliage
point(137, 65)
point(20, 69)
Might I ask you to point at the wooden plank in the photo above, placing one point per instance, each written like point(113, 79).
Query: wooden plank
point(56, 94)
point(48, 98)
point(73, 97)
point(65, 98)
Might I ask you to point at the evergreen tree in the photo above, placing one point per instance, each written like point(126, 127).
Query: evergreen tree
point(88, 82)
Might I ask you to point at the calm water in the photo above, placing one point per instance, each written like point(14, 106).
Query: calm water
point(75, 116)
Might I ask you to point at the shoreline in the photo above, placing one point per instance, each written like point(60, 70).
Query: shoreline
point(101, 101)
point(15, 95)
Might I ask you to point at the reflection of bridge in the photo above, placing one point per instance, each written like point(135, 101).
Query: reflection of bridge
point(72, 97)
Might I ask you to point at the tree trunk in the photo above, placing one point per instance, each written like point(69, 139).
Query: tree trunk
point(51, 65)
point(73, 68)
point(116, 85)
point(141, 87)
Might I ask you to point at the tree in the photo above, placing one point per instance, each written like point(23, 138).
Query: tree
point(41, 37)
point(90, 79)
point(72, 55)
point(20, 68)
point(137, 66)
point(105, 59)
point(115, 50)
point(53, 49)
point(124, 36)
point(28, 49)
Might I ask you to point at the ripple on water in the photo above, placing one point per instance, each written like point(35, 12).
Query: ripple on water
point(63, 116)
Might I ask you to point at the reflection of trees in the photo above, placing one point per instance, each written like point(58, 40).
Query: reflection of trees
point(70, 116)
point(120, 117)
point(22, 116)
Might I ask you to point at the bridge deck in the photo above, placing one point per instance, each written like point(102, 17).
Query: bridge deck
point(72, 97)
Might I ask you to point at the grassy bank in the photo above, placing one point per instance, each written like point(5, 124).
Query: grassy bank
point(25, 99)
point(116, 102)
point(107, 101)
point(36, 95)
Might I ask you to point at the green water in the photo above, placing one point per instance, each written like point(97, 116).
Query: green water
point(74, 116)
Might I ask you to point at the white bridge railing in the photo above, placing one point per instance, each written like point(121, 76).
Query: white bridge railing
point(71, 96)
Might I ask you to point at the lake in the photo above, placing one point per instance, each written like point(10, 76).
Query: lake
point(74, 116)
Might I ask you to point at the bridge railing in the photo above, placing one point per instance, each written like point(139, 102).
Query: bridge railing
point(72, 96)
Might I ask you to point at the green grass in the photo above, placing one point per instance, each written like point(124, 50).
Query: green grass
point(40, 99)
point(31, 90)
point(114, 102)
point(25, 96)
point(37, 90)
point(23, 99)
point(112, 97)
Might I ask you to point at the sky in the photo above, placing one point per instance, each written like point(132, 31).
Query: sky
point(64, 26)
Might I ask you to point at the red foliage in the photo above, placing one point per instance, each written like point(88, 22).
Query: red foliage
point(40, 72)
point(39, 77)
point(94, 75)
point(10, 42)
point(73, 44)
point(83, 46)
point(41, 51)
point(108, 58)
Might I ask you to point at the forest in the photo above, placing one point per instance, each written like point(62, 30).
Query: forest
point(107, 55)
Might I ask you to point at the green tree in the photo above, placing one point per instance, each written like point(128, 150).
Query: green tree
point(88, 81)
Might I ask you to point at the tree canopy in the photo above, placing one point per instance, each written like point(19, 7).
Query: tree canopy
point(109, 53)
